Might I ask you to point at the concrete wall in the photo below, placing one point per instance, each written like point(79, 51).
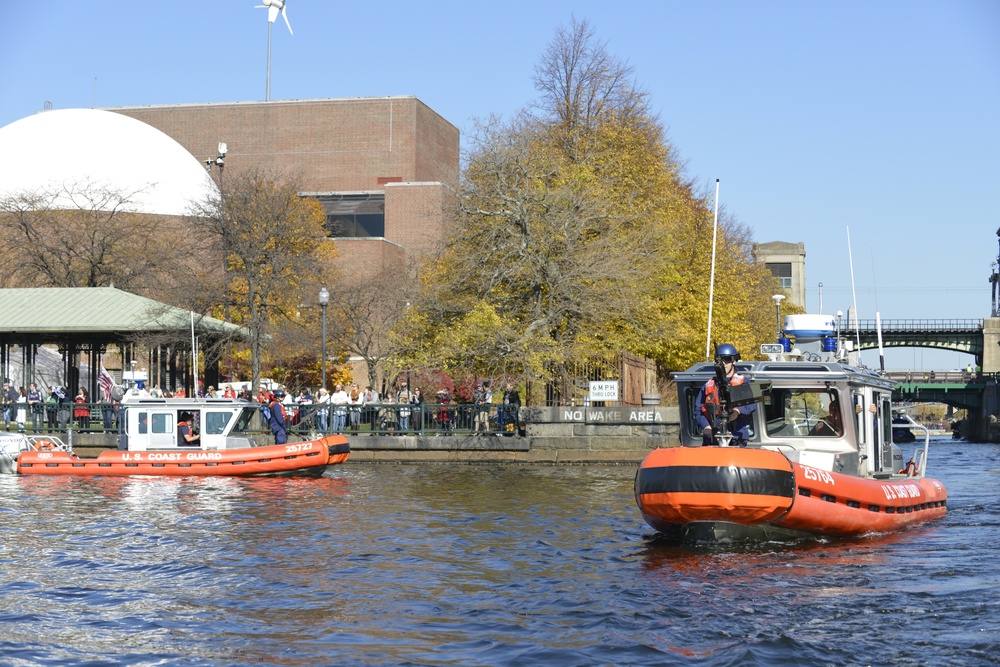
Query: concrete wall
point(991, 345)
point(781, 252)
point(552, 436)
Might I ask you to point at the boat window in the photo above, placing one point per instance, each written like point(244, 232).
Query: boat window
point(885, 420)
point(143, 423)
point(859, 416)
point(216, 421)
point(162, 423)
point(689, 397)
point(797, 413)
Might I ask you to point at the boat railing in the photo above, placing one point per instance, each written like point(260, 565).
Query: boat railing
point(48, 442)
point(921, 460)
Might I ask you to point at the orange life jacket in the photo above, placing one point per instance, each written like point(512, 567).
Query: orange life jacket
point(712, 391)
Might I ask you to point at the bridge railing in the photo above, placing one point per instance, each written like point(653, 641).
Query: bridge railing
point(941, 377)
point(917, 325)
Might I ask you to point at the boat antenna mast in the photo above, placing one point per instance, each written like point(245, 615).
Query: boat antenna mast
point(711, 280)
point(878, 317)
point(854, 294)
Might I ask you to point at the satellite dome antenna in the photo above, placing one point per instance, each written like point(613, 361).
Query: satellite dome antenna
point(273, 7)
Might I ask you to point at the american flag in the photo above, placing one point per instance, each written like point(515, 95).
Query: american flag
point(107, 382)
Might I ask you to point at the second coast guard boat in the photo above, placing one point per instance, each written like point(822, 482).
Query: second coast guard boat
point(151, 442)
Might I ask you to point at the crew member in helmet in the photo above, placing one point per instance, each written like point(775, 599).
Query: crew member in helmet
point(277, 417)
point(726, 355)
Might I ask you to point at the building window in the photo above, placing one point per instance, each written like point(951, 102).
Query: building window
point(354, 215)
point(783, 272)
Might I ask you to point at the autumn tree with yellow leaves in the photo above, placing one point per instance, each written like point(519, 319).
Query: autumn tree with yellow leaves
point(578, 237)
point(270, 257)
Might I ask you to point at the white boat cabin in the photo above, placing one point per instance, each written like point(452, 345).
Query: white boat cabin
point(154, 423)
point(825, 415)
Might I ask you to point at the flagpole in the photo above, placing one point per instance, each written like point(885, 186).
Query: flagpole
point(194, 359)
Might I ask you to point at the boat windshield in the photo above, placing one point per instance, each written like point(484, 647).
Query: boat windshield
point(797, 413)
point(691, 394)
point(246, 417)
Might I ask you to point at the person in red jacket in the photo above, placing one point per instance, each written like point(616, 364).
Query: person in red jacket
point(708, 402)
point(81, 413)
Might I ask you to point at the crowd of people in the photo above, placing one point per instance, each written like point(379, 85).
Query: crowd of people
point(52, 408)
point(347, 409)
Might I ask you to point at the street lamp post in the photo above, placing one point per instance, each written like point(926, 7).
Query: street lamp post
point(324, 299)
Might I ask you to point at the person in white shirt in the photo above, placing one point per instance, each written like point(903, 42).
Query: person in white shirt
point(323, 412)
point(339, 400)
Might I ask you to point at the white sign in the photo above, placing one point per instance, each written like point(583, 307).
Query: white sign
point(605, 390)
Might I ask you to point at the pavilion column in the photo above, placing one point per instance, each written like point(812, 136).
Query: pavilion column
point(29, 354)
point(71, 368)
point(4, 357)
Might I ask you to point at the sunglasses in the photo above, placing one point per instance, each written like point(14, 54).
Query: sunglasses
point(728, 359)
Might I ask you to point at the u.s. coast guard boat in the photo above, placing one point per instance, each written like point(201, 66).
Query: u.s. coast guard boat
point(151, 442)
point(820, 460)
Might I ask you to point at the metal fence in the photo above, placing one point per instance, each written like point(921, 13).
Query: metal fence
point(303, 420)
point(953, 325)
point(403, 419)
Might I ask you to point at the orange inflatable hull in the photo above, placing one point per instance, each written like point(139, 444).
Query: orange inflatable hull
point(308, 458)
point(678, 488)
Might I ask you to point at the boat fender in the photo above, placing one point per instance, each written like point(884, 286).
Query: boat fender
point(45, 446)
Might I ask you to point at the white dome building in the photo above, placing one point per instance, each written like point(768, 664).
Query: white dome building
point(94, 149)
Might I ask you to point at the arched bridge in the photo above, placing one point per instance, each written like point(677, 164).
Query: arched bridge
point(958, 335)
point(959, 389)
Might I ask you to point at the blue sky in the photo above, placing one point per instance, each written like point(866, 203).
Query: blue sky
point(878, 117)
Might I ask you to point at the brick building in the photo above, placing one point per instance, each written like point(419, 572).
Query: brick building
point(384, 168)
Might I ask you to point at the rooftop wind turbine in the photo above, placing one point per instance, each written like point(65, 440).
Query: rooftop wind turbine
point(273, 7)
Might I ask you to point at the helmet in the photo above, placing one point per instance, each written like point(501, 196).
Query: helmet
point(726, 350)
point(279, 393)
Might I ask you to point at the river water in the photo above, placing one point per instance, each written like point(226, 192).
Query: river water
point(450, 564)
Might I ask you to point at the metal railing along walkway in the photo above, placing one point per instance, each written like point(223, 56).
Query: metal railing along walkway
point(942, 326)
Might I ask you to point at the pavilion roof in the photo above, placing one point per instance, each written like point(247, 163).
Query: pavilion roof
point(57, 314)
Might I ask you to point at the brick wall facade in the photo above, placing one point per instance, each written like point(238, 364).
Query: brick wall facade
point(336, 145)
point(393, 144)
point(361, 259)
point(419, 214)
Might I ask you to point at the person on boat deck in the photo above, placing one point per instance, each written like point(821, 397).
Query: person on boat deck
point(185, 431)
point(738, 418)
point(277, 417)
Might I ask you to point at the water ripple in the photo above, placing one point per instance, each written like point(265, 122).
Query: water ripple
point(472, 565)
